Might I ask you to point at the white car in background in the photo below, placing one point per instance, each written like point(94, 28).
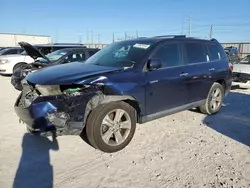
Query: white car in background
point(9, 63)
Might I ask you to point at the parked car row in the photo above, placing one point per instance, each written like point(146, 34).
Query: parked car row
point(9, 63)
point(127, 82)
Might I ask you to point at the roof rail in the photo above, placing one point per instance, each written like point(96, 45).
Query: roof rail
point(174, 36)
point(141, 37)
point(67, 44)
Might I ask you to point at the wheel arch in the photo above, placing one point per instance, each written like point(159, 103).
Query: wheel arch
point(223, 83)
point(100, 99)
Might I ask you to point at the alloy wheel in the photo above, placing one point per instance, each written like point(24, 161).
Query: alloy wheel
point(115, 127)
point(216, 99)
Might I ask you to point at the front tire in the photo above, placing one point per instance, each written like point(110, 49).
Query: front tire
point(214, 100)
point(111, 127)
point(20, 66)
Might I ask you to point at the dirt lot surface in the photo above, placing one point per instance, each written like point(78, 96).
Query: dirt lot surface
point(187, 149)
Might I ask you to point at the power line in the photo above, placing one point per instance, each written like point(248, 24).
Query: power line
point(91, 36)
point(80, 40)
point(87, 37)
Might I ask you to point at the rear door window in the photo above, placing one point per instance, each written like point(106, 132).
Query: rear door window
point(195, 52)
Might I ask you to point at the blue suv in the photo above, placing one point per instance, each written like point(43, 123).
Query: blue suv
point(128, 82)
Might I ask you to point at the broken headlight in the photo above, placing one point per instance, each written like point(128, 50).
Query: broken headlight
point(49, 90)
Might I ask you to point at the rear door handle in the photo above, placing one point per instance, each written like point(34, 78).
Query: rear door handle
point(212, 69)
point(184, 74)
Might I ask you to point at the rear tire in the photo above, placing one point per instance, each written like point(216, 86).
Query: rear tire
point(111, 127)
point(214, 100)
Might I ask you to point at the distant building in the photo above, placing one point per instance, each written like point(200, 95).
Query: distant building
point(100, 46)
point(11, 40)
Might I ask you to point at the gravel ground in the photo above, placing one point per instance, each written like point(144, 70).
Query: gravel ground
point(187, 149)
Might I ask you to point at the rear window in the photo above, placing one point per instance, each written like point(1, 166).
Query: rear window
point(195, 52)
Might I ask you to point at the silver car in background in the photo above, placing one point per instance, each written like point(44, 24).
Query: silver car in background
point(241, 73)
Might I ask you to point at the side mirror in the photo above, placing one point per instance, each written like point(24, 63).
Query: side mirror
point(154, 64)
point(65, 61)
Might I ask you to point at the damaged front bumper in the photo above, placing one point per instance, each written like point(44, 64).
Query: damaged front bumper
point(64, 114)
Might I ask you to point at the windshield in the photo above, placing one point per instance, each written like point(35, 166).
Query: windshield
point(121, 54)
point(245, 60)
point(56, 55)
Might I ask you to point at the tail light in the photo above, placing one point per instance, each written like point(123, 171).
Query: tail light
point(231, 67)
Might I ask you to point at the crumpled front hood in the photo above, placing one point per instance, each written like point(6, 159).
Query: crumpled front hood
point(32, 51)
point(67, 73)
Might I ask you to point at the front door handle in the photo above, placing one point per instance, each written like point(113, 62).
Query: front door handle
point(184, 74)
point(212, 69)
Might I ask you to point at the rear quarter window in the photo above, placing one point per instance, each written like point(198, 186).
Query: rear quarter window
point(213, 52)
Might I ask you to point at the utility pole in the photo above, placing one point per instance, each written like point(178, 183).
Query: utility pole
point(211, 32)
point(87, 37)
point(182, 25)
point(99, 36)
point(80, 40)
point(190, 25)
point(113, 37)
point(56, 35)
point(91, 36)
